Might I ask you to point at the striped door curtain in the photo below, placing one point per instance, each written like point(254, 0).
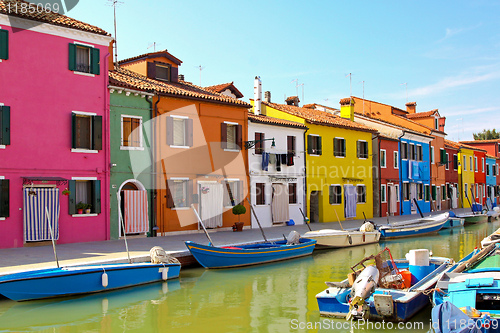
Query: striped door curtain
point(136, 211)
point(36, 227)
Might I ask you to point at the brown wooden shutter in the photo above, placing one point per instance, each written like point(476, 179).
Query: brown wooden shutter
point(259, 144)
point(189, 132)
point(135, 129)
point(223, 135)
point(290, 142)
point(151, 70)
point(174, 74)
point(239, 135)
point(170, 199)
point(127, 129)
point(170, 131)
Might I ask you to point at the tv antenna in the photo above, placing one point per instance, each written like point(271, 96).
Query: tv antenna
point(350, 85)
point(406, 87)
point(296, 86)
point(363, 96)
point(115, 3)
point(153, 45)
point(200, 67)
point(301, 85)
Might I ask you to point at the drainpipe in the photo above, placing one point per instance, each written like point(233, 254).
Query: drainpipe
point(152, 155)
point(305, 176)
point(376, 180)
point(400, 175)
point(153, 159)
point(107, 155)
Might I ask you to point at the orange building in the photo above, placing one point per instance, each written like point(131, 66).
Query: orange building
point(197, 136)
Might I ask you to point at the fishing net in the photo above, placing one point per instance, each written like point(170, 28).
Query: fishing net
point(159, 256)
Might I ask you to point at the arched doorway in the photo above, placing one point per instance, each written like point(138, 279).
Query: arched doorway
point(133, 212)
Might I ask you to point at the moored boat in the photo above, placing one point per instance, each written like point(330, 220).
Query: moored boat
point(415, 227)
point(473, 218)
point(493, 238)
point(453, 222)
point(331, 238)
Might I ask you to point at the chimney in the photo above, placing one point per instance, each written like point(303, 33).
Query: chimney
point(181, 77)
point(411, 107)
point(347, 108)
point(441, 123)
point(293, 100)
point(267, 96)
point(257, 95)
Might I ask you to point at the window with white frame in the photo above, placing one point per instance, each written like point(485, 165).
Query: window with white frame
point(432, 154)
point(406, 191)
point(420, 154)
point(397, 192)
point(471, 165)
point(482, 164)
point(179, 131)
point(427, 192)
point(383, 193)
point(335, 194)
point(404, 150)
point(260, 193)
point(383, 158)
point(396, 160)
point(455, 162)
point(4, 197)
point(292, 193)
point(131, 132)
point(361, 189)
point(447, 165)
point(339, 147)
point(232, 190)
point(362, 149)
point(420, 191)
point(179, 192)
point(411, 152)
point(86, 131)
point(475, 164)
point(84, 194)
point(464, 167)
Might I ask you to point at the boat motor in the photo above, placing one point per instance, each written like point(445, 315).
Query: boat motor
point(362, 288)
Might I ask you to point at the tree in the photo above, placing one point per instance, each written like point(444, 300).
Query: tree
point(487, 135)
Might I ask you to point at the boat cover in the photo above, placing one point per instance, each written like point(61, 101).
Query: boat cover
point(446, 318)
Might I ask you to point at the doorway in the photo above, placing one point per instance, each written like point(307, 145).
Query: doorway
point(438, 198)
point(133, 208)
point(37, 201)
point(314, 206)
point(413, 197)
point(280, 203)
point(392, 204)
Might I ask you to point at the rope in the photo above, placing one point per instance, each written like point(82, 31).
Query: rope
point(159, 256)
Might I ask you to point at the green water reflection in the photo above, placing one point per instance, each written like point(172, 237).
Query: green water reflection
point(268, 298)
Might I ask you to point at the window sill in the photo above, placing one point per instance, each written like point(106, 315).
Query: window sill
point(2, 218)
point(314, 155)
point(83, 215)
point(383, 167)
point(335, 204)
point(339, 156)
point(88, 151)
point(233, 150)
point(131, 148)
point(182, 147)
point(383, 202)
point(360, 203)
point(362, 158)
point(84, 74)
point(180, 208)
point(2, 146)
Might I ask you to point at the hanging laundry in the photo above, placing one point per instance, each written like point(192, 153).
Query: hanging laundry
point(265, 161)
point(415, 170)
point(289, 159)
point(284, 159)
point(278, 162)
point(272, 158)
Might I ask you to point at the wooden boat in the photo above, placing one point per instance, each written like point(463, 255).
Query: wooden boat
point(491, 239)
point(252, 254)
point(453, 222)
point(473, 218)
point(65, 281)
point(331, 238)
point(398, 295)
point(416, 227)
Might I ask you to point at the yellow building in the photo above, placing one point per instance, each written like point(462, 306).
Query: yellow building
point(339, 167)
point(465, 174)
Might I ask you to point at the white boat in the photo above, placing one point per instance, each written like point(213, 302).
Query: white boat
point(491, 239)
point(493, 214)
point(342, 238)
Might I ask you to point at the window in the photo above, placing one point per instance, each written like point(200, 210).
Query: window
point(232, 192)
point(160, 71)
point(404, 150)
point(85, 191)
point(131, 132)
point(482, 164)
point(448, 191)
point(471, 166)
point(447, 165)
point(382, 158)
point(4, 44)
point(396, 160)
point(420, 191)
point(335, 194)
point(436, 123)
point(259, 144)
point(411, 151)
point(465, 164)
point(434, 192)
point(443, 192)
point(493, 170)
point(443, 156)
point(455, 162)
point(362, 149)
point(290, 144)
point(314, 145)
point(465, 190)
point(4, 198)
point(397, 192)
point(420, 156)
point(427, 190)
point(84, 59)
point(87, 131)
point(179, 131)
point(432, 154)
point(406, 191)
point(475, 163)
point(178, 193)
point(361, 193)
point(292, 193)
point(4, 125)
point(260, 193)
point(488, 170)
point(339, 147)
point(231, 136)
point(383, 193)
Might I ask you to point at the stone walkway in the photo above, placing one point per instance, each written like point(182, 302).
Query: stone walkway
point(29, 258)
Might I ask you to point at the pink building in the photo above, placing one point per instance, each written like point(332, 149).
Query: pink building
point(53, 129)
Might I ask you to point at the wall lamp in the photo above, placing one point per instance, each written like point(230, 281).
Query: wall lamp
point(251, 144)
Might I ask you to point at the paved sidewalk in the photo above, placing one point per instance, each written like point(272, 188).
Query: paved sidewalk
point(28, 258)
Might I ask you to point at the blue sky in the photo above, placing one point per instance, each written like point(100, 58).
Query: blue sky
point(446, 51)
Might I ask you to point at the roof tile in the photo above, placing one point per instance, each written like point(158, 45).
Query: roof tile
point(274, 121)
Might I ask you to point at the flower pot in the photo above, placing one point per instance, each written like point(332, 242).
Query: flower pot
point(87, 211)
point(238, 226)
point(80, 211)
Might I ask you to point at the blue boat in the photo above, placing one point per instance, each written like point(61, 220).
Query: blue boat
point(65, 281)
point(398, 295)
point(252, 254)
point(416, 227)
point(453, 222)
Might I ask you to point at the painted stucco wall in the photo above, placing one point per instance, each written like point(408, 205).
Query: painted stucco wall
point(465, 175)
point(137, 106)
point(42, 93)
point(389, 174)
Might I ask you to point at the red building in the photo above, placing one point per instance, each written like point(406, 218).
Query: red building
point(492, 147)
point(480, 176)
point(451, 170)
point(389, 175)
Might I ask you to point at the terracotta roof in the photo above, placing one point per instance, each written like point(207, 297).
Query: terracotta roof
point(320, 117)
point(491, 156)
point(379, 119)
point(421, 114)
point(43, 16)
point(291, 98)
point(162, 53)
point(458, 145)
point(481, 141)
point(125, 78)
point(274, 121)
point(221, 87)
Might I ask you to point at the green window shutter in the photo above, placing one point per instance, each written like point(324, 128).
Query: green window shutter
point(4, 44)
point(342, 147)
point(97, 132)
point(96, 197)
point(95, 61)
point(72, 197)
point(4, 198)
point(4, 125)
point(427, 192)
point(309, 144)
point(320, 147)
point(444, 160)
point(433, 192)
point(72, 57)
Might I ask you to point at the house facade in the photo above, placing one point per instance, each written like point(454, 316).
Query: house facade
point(53, 145)
point(466, 174)
point(452, 179)
point(198, 152)
point(491, 181)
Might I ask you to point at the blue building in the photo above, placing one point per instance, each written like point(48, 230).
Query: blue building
point(491, 181)
point(415, 172)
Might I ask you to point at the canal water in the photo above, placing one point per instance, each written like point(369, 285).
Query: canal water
point(276, 297)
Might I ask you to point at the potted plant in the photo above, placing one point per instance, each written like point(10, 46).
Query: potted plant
point(80, 207)
point(238, 210)
point(87, 209)
point(66, 192)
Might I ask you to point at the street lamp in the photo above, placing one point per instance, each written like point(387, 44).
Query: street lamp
point(251, 144)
